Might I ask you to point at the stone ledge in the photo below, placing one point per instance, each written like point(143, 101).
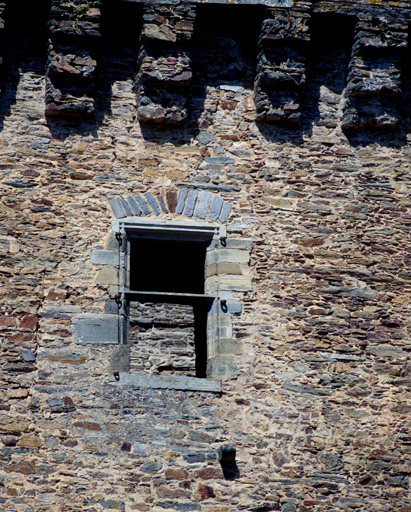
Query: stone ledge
point(180, 383)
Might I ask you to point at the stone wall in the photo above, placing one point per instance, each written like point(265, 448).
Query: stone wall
point(107, 100)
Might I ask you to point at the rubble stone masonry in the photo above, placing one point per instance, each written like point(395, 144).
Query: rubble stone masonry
point(281, 131)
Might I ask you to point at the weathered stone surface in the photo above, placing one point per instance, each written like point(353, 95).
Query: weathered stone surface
point(30, 441)
point(90, 328)
point(172, 382)
point(317, 392)
point(104, 257)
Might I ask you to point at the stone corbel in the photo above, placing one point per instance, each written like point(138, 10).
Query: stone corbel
point(71, 64)
point(164, 62)
point(281, 70)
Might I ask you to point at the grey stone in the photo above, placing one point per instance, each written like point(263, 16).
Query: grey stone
point(91, 328)
point(140, 448)
point(120, 360)
point(117, 208)
point(227, 255)
point(231, 308)
point(151, 200)
point(59, 312)
point(225, 211)
point(215, 188)
point(134, 206)
point(203, 203)
point(385, 350)
point(215, 208)
point(55, 401)
point(234, 308)
point(182, 196)
point(112, 504)
point(219, 160)
point(190, 203)
point(182, 383)
point(231, 243)
point(141, 203)
point(331, 460)
point(205, 138)
point(127, 208)
point(104, 257)
point(111, 307)
point(151, 467)
point(233, 88)
point(28, 356)
point(223, 368)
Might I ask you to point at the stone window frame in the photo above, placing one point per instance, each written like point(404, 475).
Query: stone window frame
point(213, 233)
point(226, 276)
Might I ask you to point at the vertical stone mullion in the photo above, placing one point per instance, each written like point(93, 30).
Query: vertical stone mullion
point(281, 69)
point(71, 66)
point(164, 63)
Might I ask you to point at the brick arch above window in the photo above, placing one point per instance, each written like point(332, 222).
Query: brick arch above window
point(189, 202)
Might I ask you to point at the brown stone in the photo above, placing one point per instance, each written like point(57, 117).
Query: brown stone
point(175, 474)
point(13, 425)
point(209, 473)
point(29, 322)
point(17, 393)
point(204, 492)
point(87, 425)
point(7, 321)
point(23, 467)
point(30, 441)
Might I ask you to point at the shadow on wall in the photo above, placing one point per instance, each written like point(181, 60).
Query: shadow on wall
point(223, 52)
point(116, 62)
point(327, 65)
point(23, 50)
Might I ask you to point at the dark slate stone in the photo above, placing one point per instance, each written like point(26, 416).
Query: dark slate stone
point(182, 507)
point(331, 460)
point(28, 356)
point(111, 307)
point(151, 467)
point(144, 208)
point(193, 458)
point(151, 200)
point(215, 208)
point(225, 212)
point(134, 205)
point(289, 507)
point(112, 504)
point(162, 204)
point(205, 138)
point(182, 196)
point(190, 203)
point(219, 160)
point(59, 312)
point(117, 208)
point(127, 208)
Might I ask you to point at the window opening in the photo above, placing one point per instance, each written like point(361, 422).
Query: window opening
point(172, 266)
point(166, 307)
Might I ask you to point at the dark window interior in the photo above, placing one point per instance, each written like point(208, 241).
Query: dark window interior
point(167, 266)
point(172, 266)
